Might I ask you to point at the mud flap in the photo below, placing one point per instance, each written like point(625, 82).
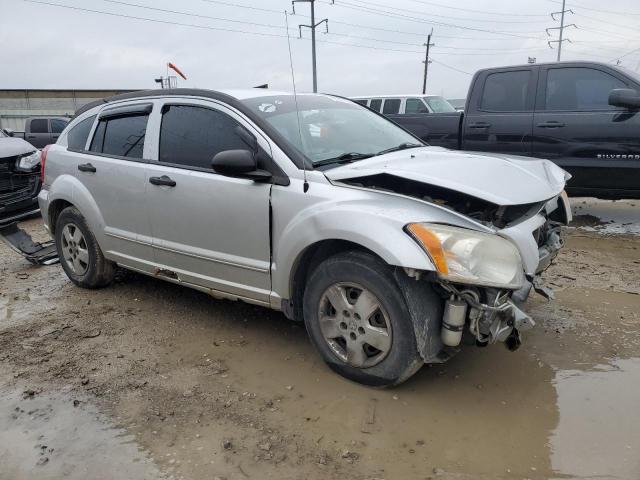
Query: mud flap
point(425, 308)
point(21, 242)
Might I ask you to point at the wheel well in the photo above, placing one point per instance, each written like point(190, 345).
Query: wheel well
point(56, 207)
point(312, 256)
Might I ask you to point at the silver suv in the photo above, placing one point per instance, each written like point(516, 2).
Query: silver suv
point(393, 253)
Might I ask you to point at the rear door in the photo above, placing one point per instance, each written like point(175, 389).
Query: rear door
point(208, 229)
point(500, 113)
point(112, 169)
point(575, 127)
point(37, 132)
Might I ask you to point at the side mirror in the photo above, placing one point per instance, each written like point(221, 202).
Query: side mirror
point(9, 132)
point(624, 97)
point(239, 163)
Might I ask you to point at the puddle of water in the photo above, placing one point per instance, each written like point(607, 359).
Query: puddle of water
point(46, 437)
point(606, 216)
point(598, 433)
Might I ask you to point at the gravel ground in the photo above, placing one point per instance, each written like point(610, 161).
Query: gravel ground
point(147, 380)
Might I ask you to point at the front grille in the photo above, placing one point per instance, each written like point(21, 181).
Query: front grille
point(15, 186)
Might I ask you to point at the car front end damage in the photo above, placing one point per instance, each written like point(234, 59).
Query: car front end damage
point(488, 307)
point(483, 274)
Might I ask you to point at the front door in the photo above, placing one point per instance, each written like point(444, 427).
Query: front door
point(208, 230)
point(500, 120)
point(575, 127)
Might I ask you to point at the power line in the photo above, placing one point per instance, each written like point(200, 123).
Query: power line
point(450, 67)
point(421, 13)
point(502, 14)
point(195, 15)
point(624, 14)
point(386, 14)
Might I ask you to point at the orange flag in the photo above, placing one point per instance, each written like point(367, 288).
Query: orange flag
point(176, 69)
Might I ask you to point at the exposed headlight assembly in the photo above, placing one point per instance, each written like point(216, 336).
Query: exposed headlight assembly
point(28, 162)
point(466, 256)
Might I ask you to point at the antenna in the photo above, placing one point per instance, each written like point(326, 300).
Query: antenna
point(305, 185)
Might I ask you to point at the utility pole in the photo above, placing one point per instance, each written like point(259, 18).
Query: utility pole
point(426, 62)
point(560, 28)
point(313, 27)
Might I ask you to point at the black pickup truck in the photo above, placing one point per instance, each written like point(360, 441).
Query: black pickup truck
point(584, 116)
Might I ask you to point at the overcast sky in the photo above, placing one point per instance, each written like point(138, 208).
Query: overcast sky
point(372, 46)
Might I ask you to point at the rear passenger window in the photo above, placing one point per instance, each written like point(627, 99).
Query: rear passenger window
point(375, 104)
point(506, 92)
point(121, 136)
point(192, 135)
point(77, 136)
point(415, 105)
point(39, 125)
point(361, 102)
point(391, 106)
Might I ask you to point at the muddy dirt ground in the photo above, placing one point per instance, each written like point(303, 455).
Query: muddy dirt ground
point(148, 380)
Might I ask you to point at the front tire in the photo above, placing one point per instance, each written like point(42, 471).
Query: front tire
point(358, 320)
point(80, 255)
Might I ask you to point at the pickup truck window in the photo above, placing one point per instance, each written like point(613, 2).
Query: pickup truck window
point(579, 89)
point(391, 106)
point(121, 136)
point(77, 136)
point(415, 105)
point(39, 125)
point(375, 104)
point(506, 91)
point(361, 102)
point(57, 126)
point(192, 136)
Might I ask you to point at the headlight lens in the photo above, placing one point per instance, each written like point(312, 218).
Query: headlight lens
point(28, 162)
point(465, 256)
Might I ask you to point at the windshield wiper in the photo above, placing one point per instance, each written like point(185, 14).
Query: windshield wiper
point(344, 158)
point(402, 146)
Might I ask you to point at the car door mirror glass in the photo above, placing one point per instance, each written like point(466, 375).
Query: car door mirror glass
point(624, 97)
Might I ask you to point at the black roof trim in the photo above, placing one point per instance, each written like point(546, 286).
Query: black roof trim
point(293, 153)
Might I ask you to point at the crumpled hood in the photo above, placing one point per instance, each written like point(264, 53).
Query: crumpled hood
point(500, 179)
point(10, 147)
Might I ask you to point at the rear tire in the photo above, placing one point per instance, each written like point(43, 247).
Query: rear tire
point(379, 350)
point(80, 255)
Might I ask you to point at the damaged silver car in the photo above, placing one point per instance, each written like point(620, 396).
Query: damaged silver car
point(392, 252)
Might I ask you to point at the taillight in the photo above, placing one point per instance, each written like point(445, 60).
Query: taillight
point(43, 159)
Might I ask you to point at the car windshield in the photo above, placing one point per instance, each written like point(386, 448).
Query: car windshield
point(332, 130)
point(439, 105)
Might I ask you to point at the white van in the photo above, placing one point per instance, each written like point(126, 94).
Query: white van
point(401, 104)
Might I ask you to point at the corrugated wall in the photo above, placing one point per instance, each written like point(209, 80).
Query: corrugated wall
point(18, 105)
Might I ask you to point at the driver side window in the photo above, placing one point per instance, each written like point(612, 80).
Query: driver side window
point(191, 135)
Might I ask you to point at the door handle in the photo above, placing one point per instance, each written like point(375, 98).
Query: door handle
point(87, 167)
point(551, 124)
point(479, 125)
point(163, 180)
point(31, 136)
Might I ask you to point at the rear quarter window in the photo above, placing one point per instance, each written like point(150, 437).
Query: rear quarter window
point(78, 135)
point(121, 136)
